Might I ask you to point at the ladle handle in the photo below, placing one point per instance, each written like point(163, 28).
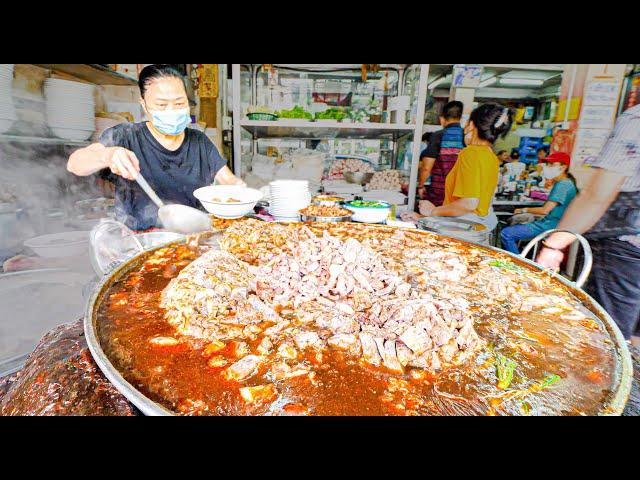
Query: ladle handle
point(149, 191)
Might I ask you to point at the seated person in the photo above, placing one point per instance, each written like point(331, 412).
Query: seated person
point(503, 157)
point(556, 170)
point(514, 167)
point(470, 185)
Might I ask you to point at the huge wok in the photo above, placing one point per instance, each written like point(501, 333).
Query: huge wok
point(614, 403)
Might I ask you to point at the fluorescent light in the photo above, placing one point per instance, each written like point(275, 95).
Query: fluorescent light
point(522, 81)
point(488, 81)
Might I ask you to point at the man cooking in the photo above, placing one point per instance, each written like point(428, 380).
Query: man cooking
point(173, 159)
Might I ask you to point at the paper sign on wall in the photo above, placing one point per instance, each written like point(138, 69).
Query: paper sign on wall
point(466, 76)
point(601, 93)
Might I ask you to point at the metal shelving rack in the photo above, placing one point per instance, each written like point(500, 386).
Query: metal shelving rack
point(303, 129)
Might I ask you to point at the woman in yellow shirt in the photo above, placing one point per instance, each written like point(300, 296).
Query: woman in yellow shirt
point(471, 183)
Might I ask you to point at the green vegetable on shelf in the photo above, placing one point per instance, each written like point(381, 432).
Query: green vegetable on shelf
point(332, 114)
point(295, 112)
point(504, 371)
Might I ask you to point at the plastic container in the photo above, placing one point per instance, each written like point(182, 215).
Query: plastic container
point(262, 116)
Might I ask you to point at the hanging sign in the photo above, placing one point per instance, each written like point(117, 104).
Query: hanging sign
point(467, 76)
point(208, 80)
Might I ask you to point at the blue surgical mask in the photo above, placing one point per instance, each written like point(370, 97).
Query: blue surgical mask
point(170, 122)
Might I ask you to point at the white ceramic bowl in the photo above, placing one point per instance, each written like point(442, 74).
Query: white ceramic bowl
point(65, 244)
point(248, 198)
point(369, 214)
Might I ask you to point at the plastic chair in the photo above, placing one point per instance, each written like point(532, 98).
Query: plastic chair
point(588, 254)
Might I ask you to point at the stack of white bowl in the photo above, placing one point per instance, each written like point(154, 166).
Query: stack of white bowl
point(70, 109)
point(7, 110)
point(287, 198)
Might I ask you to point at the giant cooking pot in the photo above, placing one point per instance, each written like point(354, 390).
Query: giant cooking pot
point(614, 406)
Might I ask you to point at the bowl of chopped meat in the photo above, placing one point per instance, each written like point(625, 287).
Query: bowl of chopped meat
point(228, 201)
point(325, 213)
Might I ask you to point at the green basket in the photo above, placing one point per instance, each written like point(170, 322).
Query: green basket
point(262, 116)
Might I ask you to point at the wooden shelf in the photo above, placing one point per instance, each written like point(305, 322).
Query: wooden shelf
point(90, 72)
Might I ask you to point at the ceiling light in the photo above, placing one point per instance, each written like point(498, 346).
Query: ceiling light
point(522, 81)
point(488, 81)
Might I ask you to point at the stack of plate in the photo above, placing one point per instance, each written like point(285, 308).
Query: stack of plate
point(287, 198)
point(70, 109)
point(7, 110)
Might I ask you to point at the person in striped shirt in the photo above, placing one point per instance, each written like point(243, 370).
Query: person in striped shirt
point(607, 211)
point(441, 154)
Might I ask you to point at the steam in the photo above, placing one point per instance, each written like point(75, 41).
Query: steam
point(34, 179)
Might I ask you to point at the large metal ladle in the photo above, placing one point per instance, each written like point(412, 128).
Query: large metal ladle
point(176, 218)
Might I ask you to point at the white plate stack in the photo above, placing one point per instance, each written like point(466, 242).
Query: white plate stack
point(7, 110)
point(70, 109)
point(287, 198)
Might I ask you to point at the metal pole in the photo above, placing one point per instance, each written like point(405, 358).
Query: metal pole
point(237, 106)
point(417, 134)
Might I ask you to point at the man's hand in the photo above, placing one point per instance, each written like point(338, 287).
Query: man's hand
point(421, 192)
point(122, 162)
point(549, 258)
point(425, 207)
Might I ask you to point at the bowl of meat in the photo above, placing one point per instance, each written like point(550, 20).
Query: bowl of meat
point(324, 213)
point(228, 201)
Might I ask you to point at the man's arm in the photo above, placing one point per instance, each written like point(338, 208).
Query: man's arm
point(226, 177)
point(582, 214)
point(426, 165)
point(588, 207)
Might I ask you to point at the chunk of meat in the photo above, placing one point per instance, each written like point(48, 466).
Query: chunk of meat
point(343, 341)
point(217, 361)
point(307, 339)
point(404, 354)
point(259, 394)
point(282, 370)
point(244, 368)
point(265, 346)
point(369, 349)
point(390, 357)
point(213, 347)
point(295, 409)
point(239, 349)
point(417, 339)
point(164, 341)
point(286, 350)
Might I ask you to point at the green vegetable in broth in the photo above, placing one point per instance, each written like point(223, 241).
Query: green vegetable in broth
point(504, 371)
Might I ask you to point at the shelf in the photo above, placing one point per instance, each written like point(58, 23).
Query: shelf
point(431, 128)
point(41, 140)
point(312, 130)
point(90, 72)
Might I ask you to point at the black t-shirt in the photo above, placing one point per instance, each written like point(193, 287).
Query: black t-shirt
point(174, 175)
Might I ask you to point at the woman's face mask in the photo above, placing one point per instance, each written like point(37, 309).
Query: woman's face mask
point(551, 172)
point(170, 122)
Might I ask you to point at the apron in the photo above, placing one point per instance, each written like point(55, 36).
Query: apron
point(622, 218)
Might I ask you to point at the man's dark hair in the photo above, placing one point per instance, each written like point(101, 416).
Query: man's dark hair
point(452, 110)
point(501, 152)
point(427, 137)
point(515, 153)
point(153, 72)
point(542, 149)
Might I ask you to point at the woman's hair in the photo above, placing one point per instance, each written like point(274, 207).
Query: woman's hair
point(501, 152)
point(492, 121)
point(154, 72)
point(515, 154)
